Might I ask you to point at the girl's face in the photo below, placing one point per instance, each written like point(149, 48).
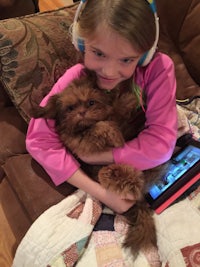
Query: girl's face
point(111, 56)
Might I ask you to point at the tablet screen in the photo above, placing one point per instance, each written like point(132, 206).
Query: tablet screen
point(179, 165)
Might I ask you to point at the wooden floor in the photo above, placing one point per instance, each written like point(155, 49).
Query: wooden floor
point(7, 239)
point(53, 4)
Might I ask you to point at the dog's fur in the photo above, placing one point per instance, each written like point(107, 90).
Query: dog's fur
point(89, 120)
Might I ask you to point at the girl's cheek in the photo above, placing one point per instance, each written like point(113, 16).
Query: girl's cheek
point(89, 62)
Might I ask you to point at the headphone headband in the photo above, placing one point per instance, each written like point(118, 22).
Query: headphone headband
point(146, 58)
point(79, 43)
point(76, 40)
point(78, 11)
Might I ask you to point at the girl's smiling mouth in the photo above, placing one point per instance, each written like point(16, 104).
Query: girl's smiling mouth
point(105, 82)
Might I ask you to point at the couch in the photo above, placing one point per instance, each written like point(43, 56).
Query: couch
point(35, 50)
point(15, 8)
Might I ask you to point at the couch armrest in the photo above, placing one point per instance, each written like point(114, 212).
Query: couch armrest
point(35, 51)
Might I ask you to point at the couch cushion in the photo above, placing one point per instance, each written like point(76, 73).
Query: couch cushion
point(4, 98)
point(15, 214)
point(180, 39)
point(33, 186)
point(186, 85)
point(14, 8)
point(35, 51)
point(12, 134)
point(189, 40)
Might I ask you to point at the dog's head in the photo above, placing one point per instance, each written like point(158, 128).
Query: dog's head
point(77, 107)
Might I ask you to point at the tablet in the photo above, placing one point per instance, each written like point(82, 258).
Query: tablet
point(185, 188)
point(183, 167)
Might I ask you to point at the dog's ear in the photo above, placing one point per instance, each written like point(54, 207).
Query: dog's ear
point(49, 111)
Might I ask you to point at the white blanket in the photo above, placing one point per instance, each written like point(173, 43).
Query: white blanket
point(59, 240)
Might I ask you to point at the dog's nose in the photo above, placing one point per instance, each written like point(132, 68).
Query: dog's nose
point(82, 113)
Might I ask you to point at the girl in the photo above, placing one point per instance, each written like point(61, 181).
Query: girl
point(117, 40)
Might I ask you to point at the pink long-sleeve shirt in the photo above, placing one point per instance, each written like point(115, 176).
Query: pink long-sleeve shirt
point(152, 147)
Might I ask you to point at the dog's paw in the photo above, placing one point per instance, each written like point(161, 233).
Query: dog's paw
point(112, 133)
point(103, 136)
point(122, 179)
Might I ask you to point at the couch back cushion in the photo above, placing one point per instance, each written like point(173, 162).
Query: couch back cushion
point(180, 39)
point(15, 8)
point(35, 51)
point(189, 40)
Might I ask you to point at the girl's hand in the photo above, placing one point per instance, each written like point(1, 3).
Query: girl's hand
point(117, 203)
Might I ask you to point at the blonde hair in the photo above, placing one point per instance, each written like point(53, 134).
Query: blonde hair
point(132, 19)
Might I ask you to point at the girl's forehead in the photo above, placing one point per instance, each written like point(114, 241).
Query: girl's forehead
point(108, 40)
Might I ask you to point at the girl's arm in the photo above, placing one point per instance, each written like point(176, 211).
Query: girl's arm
point(155, 144)
point(43, 143)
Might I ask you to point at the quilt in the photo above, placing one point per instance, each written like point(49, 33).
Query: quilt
point(80, 232)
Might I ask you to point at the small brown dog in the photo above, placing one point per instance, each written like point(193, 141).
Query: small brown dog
point(89, 120)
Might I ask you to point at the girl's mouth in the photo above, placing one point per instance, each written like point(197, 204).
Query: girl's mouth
point(107, 83)
point(107, 79)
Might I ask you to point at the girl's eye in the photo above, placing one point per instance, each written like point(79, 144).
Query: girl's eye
point(127, 60)
point(98, 53)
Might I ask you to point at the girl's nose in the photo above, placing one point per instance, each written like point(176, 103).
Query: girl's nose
point(109, 69)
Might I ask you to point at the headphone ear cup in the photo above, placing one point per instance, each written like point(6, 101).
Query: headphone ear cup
point(146, 57)
point(76, 40)
point(80, 45)
point(142, 59)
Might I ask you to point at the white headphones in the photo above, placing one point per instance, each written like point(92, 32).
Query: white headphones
point(144, 60)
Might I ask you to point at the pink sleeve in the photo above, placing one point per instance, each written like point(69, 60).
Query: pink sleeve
point(155, 144)
point(43, 143)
